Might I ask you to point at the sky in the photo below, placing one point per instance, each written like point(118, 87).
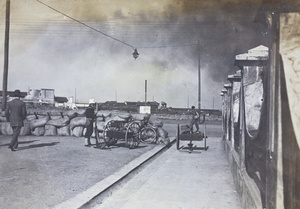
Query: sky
point(83, 48)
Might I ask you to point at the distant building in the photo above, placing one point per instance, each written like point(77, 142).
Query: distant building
point(128, 106)
point(40, 96)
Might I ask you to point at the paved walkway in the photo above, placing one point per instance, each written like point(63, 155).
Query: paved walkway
point(179, 179)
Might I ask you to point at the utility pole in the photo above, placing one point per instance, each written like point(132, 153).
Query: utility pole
point(145, 91)
point(75, 97)
point(6, 50)
point(199, 79)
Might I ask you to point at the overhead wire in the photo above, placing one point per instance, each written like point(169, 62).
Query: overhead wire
point(86, 25)
point(109, 36)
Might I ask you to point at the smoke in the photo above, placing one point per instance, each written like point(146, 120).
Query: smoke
point(52, 51)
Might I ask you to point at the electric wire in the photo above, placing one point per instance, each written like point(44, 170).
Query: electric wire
point(86, 25)
point(140, 23)
point(109, 36)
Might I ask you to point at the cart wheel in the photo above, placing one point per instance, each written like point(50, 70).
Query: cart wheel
point(177, 138)
point(132, 135)
point(148, 135)
point(109, 141)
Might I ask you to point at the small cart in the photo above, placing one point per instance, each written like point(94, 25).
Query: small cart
point(121, 130)
point(184, 134)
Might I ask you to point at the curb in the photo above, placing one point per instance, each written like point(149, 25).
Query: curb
point(105, 187)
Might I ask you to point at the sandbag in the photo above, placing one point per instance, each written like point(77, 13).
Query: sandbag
point(58, 122)
point(25, 130)
point(103, 113)
point(78, 113)
point(30, 117)
point(63, 131)
point(156, 122)
point(73, 115)
point(100, 125)
point(124, 115)
point(38, 131)
point(2, 119)
point(141, 116)
point(6, 129)
point(115, 118)
point(81, 112)
point(77, 131)
point(50, 130)
point(79, 121)
point(162, 133)
point(41, 121)
point(162, 140)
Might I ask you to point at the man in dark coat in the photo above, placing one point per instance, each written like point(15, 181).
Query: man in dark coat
point(15, 113)
point(90, 118)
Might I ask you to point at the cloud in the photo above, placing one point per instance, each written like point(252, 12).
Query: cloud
point(48, 50)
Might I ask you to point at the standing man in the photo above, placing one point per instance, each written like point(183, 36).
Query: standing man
point(195, 119)
point(90, 118)
point(15, 113)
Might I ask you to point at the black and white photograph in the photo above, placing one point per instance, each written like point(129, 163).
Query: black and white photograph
point(161, 104)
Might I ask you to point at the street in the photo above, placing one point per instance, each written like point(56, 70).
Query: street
point(47, 171)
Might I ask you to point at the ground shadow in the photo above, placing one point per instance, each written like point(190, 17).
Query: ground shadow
point(103, 146)
point(38, 145)
point(20, 142)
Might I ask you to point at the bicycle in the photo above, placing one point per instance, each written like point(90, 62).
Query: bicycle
point(148, 132)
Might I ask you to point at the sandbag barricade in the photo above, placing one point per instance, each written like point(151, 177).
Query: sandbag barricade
point(73, 122)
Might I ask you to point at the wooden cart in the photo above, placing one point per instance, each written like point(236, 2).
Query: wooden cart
point(121, 130)
point(184, 135)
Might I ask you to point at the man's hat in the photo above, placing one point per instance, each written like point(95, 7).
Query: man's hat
point(17, 93)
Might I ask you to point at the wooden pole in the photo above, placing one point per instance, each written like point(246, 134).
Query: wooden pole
point(199, 80)
point(145, 91)
point(6, 53)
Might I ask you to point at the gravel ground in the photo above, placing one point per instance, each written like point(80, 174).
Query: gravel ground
point(48, 170)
